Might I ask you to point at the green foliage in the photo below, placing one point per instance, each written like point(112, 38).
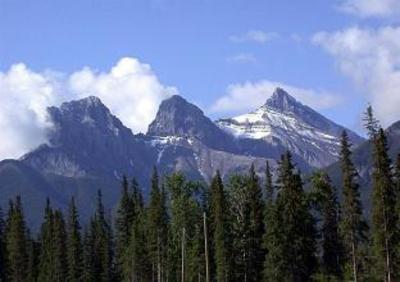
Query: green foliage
point(220, 228)
point(157, 226)
point(74, 245)
point(185, 213)
point(353, 225)
point(290, 238)
point(385, 234)
point(327, 207)
point(16, 243)
point(283, 234)
point(52, 259)
point(123, 223)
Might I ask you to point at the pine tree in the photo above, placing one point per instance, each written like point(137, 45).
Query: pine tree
point(89, 269)
point(269, 187)
point(269, 215)
point(32, 264)
point(47, 246)
point(239, 223)
point(59, 247)
point(370, 122)
point(290, 238)
point(16, 243)
point(328, 209)
point(123, 223)
point(101, 240)
point(157, 227)
point(184, 216)
point(384, 217)
point(74, 245)
point(353, 226)
point(256, 253)
point(135, 264)
point(219, 226)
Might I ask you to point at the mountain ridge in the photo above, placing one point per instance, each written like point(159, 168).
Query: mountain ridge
point(89, 149)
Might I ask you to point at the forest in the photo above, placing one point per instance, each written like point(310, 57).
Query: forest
point(242, 228)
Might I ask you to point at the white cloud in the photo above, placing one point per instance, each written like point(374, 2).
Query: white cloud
point(251, 95)
point(254, 36)
point(371, 59)
point(242, 58)
point(130, 89)
point(24, 96)
point(371, 8)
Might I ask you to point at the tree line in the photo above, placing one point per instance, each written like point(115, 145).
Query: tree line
point(241, 229)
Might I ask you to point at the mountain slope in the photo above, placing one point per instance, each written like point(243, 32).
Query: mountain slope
point(284, 121)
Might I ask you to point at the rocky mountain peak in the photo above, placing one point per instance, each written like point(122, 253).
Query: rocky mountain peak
point(282, 101)
point(176, 116)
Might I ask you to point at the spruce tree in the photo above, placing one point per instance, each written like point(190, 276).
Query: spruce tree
point(268, 214)
point(353, 225)
point(101, 240)
point(256, 227)
point(59, 245)
point(32, 264)
point(47, 246)
point(328, 209)
point(385, 233)
point(269, 187)
point(290, 238)
point(123, 223)
point(184, 215)
point(371, 123)
point(74, 244)
point(16, 243)
point(135, 261)
point(89, 273)
point(219, 227)
point(239, 224)
point(157, 227)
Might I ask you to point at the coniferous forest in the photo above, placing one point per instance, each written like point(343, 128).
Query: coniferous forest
point(240, 229)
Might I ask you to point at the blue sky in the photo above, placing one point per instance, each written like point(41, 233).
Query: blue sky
point(200, 47)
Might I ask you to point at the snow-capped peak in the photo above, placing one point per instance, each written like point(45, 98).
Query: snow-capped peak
point(297, 127)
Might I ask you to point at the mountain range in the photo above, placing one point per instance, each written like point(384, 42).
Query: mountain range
point(89, 148)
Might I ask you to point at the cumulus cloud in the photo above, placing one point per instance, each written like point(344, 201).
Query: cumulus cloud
point(248, 96)
point(371, 59)
point(242, 58)
point(130, 89)
point(371, 8)
point(257, 36)
point(24, 96)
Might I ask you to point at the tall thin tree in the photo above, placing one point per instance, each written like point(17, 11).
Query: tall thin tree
point(353, 225)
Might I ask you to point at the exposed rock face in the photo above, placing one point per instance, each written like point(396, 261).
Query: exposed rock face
point(177, 117)
point(90, 149)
